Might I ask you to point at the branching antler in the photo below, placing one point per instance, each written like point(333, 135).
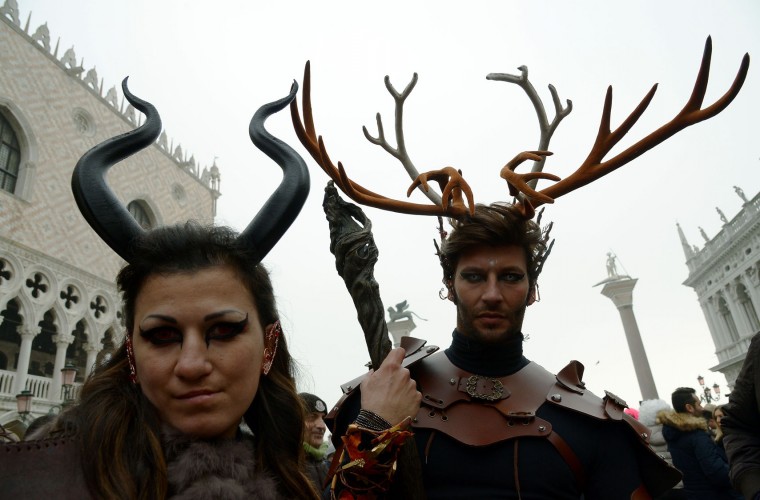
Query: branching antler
point(400, 152)
point(453, 187)
point(547, 129)
point(594, 166)
point(453, 206)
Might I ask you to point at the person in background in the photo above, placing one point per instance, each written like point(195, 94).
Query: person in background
point(704, 467)
point(648, 411)
point(314, 442)
point(741, 425)
point(707, 414)
point(718, 417)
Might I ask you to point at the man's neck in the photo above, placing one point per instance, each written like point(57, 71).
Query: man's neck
point(492, 360)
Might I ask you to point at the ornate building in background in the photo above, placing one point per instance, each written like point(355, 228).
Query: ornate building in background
point(725, 273)
point(58, 302)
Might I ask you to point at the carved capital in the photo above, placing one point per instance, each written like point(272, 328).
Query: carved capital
point(28, 331)
point(63, 338)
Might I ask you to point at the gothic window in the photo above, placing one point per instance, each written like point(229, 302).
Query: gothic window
point(141, 213)
point(10, 156)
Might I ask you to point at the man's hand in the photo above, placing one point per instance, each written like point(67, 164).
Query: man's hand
point(390, 392)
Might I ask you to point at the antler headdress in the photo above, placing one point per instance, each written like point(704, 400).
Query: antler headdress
point(114, 224)
point(522, 186)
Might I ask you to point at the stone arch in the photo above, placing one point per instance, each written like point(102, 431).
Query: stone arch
point(40, 285)
point(747, 306)
point(10, 340)
point(12, 277)
point(76, 353)
point(43, 344)
point(728, 319)
point(72, 296)
point(108, 345)
point(101, 306)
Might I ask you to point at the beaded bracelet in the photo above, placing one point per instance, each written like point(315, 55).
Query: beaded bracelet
point(372, 421)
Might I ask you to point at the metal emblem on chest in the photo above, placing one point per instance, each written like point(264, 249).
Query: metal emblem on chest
point(489, 389)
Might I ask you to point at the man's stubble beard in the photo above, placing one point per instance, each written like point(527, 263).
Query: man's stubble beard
point(468, 329)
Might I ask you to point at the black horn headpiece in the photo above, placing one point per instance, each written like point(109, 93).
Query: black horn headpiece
point(116, 226)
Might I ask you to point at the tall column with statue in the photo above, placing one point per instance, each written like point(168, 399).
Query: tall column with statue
point(400, 322)
point(619, 289)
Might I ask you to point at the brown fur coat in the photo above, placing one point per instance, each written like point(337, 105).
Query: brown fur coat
point(221, 469)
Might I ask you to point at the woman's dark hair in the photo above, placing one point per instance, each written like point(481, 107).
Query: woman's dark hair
point(119, 428)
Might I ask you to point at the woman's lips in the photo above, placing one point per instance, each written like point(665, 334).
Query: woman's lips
point(197, 396)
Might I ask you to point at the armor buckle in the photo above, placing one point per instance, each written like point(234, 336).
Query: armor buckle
point(477, 387)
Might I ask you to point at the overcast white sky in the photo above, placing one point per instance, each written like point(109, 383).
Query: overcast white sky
point(207, 66)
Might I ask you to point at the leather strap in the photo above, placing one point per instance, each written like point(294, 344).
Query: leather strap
point(41, 470)
point(570, 458)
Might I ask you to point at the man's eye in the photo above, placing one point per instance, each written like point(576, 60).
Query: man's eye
point(471, 277)
point(226, 330)
point(512, 277)
point(161, 335)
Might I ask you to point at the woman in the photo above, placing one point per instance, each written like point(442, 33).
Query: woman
point(203, 348)
point(717, 415)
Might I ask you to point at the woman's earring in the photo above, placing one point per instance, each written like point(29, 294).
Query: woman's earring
point(271, 339)
point(131, 361)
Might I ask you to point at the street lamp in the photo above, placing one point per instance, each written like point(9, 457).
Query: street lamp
point(69, 374)
point(24, 404)
point(706, 396)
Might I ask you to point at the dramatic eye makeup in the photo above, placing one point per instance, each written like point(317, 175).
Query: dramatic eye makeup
point(223, 325)
point(224, 330)
point(164, 332)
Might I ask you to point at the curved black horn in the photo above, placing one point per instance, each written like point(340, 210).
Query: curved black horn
point(99, 206)
point(282, 208)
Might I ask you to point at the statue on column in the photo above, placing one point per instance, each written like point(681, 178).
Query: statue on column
point(402, 311)
point(611, 265)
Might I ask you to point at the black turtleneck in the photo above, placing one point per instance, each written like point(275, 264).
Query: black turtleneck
point(490, 360)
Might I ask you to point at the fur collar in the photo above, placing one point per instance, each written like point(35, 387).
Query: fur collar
point(682, 421)
point(223, 469)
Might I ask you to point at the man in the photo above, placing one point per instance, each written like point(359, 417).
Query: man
point(491, 423)
point(694, 453)
point(741, 425)
point(314, 442)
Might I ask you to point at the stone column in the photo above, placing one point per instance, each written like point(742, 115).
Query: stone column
point(27, 333)
point(720, 334)
point(399, 329)
point(712, 324)
point(62, 343)
point(620, 291)
point(92, 354)
point(751, 291)
point(743, 328)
